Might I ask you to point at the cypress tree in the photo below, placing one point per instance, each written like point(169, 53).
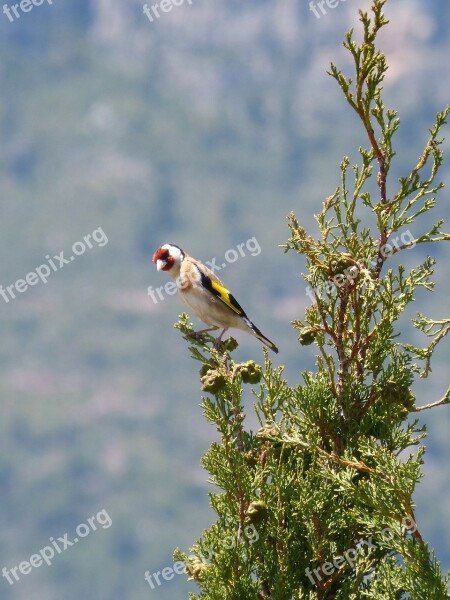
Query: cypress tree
point(317, 503)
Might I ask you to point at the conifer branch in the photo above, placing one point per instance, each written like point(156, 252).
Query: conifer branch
point(442, 401)
point(329, 462)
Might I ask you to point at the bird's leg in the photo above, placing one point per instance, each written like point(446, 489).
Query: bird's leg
point(219, 339)
point(197, 334)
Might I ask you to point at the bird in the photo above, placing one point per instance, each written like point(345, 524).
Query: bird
point(205, 294)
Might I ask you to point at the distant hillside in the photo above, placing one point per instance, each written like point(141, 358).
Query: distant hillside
point(203, 128)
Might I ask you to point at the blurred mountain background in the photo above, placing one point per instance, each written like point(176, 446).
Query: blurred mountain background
point(204, 128)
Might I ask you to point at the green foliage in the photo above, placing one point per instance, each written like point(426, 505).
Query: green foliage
point(325, 486)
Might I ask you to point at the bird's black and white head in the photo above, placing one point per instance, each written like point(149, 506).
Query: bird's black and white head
point(168, 257)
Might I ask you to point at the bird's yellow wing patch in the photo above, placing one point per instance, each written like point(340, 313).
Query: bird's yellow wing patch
point(221, 292)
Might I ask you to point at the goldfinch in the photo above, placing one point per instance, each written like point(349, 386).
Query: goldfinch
point(205, 294)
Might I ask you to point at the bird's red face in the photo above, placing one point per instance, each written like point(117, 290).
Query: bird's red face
point(166, 256)
point(163, 260)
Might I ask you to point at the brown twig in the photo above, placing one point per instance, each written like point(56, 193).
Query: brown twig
point(444, 400)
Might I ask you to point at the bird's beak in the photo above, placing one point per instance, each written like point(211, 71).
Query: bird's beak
point(160, 264)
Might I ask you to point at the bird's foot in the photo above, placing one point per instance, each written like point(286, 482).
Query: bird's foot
point(198, 334)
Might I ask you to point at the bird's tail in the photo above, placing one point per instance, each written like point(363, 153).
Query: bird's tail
point(257, 333)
